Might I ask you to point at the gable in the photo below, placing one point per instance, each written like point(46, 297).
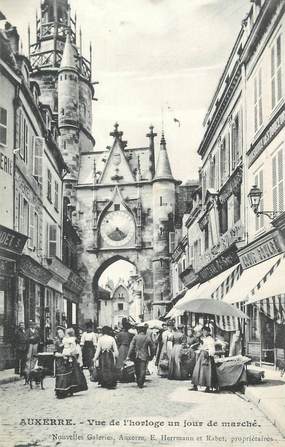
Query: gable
point(117, 168)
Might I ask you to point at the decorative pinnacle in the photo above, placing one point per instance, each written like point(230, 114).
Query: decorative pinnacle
point(116, 133)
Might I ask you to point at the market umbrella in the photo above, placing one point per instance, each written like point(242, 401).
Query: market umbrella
point(212, 307)
point(154, 324)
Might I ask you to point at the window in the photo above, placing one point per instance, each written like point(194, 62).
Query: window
point(236, 141)
point(278, 180)
point(31, 227)
point(258, 181)
point(25, 228)
point(213, 172)
point(197, 251)
point(52, 240)
point(276, 72)
point(56, 195)
point(36, 231)
point(224, 159)
point(38, 158)
point(223, 217)
point(120, 306)
point(3, 126)
point(160, 201)
point(206, 236)
point(74, 313)
point(49, 186)
point(257, 87)
point(23, 136)
point(237, 203)
point(117, 207)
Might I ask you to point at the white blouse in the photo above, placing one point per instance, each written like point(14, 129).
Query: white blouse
point(208, 345)
point(106, 342)
point(89, 336)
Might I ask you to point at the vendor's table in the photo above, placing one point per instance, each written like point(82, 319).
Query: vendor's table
point(231, 371)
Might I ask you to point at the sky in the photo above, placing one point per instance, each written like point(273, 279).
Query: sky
point(155, 60)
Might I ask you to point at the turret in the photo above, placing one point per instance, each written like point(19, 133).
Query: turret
point(68, 107)
point(164, 186)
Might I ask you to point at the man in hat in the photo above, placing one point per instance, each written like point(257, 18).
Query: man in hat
point(33, 338)
point(21, 347)
point(141, 350)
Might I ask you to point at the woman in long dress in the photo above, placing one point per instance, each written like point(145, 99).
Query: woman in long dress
point(123, 340)
point(105, 357)
point(204, 373)
point(69, 378)
point(88, 345)
point(162, 360)
point(174, 370)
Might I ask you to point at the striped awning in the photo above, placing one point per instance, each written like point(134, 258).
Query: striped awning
point(269, 295)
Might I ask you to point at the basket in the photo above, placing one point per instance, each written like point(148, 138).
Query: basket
point(128, 368)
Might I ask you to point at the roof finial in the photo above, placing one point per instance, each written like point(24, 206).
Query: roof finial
point(116, 133)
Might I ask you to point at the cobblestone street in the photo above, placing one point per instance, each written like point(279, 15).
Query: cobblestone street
point(152, 416)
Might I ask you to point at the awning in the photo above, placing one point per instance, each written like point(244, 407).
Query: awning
point(270, 296)
point(251, 280)
point(207, 289)
point(214, 288)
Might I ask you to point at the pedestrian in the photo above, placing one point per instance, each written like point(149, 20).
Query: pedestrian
point(141, 351)
point(21, 348)
point(123, 340)
point(165, 351)
point(204, 373)
point(33, 339)
point(69, 378)
point(105, 359)
point(174, 370)
point(88, 344)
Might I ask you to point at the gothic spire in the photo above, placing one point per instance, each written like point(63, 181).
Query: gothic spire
point(163, 169)
point(68, 57)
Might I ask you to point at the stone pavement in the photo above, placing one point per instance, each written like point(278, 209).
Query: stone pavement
point(164, 413)
point(269, 396)
point(7, 376)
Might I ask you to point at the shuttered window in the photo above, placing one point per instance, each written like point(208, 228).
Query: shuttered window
point(278, 180)
point(56, 195)
point(3, 126)
point(38, 158)
point(258, 112)
point(31, 227)
point(52, 240)
point(258, 181)
point(276, 71)
point(171, 242)
point(49, 185)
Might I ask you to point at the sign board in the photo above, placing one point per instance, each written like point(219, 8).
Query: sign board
point(262, 249)
point(11, 241)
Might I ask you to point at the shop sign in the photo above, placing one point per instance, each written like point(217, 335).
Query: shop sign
point(33, 270)
point(75, 283)
point(266, 137)
point(6, 164)
point(261, 250)
point(223, 262)
point(7, 267)
point(233, 235)
point(11, 240)
point(189, 277)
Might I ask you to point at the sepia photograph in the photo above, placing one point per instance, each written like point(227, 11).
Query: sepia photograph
point(142, 223)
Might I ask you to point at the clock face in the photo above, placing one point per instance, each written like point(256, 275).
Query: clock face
point(117, 228)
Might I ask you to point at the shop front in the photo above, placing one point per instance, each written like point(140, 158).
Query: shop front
point(72, 290)
point(32, 281)
point(260, 291)
point(11, 246)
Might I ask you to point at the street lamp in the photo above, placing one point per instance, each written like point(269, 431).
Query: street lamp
point(254, 197)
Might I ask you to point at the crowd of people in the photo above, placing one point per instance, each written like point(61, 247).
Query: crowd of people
point(124, 355)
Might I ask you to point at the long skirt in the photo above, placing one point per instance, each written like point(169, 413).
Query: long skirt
point(174, 370)
point(107, 370)
point(121, 373)
point(69, 377)
point(165, 354)
point(188, 361)
point(88, 351)
point(204, 373)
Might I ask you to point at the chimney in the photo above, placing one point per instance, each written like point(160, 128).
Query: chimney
point(13, 36)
